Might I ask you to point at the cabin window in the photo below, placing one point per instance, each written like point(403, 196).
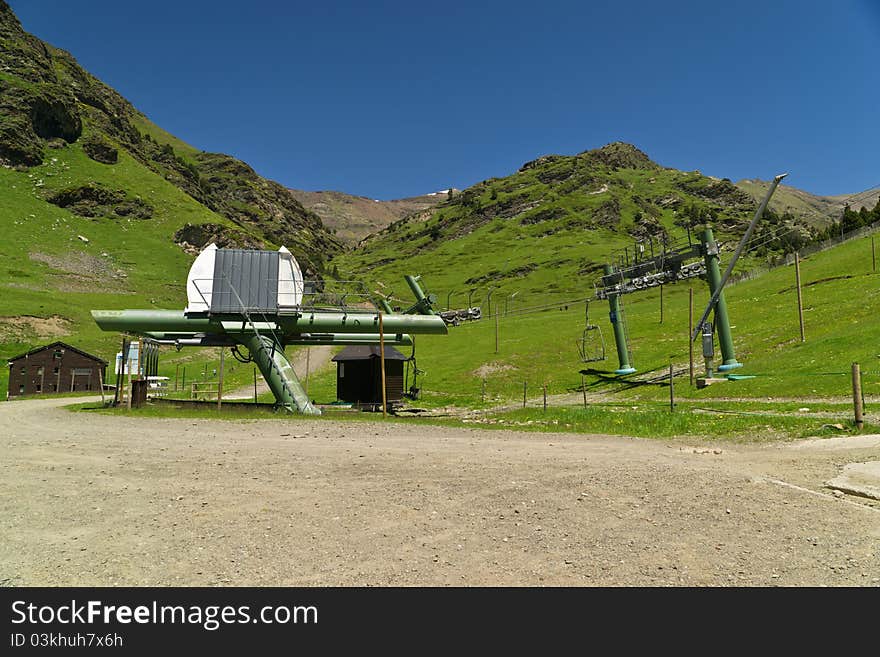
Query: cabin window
point(39, 387)
point(58, 353)
point(55, 370)
point(39, 371)
point(23, 371)
point(21, 389)
point(341, 370)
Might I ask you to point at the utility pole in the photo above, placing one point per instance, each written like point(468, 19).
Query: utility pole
point(382, 364)
point(308, 356)
point(690, 331)
point(800, 299)
point(220, 379)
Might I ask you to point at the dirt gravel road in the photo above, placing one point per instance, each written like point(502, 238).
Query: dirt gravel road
point(94, 499)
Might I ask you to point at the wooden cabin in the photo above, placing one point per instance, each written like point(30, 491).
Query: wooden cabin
point(54, 369)
point(359, 375)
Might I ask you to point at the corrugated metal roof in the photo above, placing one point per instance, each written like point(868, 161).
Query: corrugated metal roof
point(365, 352)
point(244, 277)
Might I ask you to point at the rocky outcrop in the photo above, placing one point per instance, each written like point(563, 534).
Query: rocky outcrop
point(100, 149)
point(620, 155)
point(97, 200)
point(193, 237)
point(34, 105)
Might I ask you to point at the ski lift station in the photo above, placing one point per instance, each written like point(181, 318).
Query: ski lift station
point(257, 303)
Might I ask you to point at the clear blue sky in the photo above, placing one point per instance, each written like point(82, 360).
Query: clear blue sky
point(391, 99)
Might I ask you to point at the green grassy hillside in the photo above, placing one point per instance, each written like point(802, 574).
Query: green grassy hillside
point(547, 229)
point(841, 300)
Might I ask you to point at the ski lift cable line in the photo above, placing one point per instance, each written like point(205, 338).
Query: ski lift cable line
point(762, 240)
point(855, 197)
point(776, 232)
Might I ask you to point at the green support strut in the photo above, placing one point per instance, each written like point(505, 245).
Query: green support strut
point(619, 330)
point(276, 369)
point(423, 302)
point(722, 322)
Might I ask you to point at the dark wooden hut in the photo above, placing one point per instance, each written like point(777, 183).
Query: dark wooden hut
point(359, 375)
point(53, 369)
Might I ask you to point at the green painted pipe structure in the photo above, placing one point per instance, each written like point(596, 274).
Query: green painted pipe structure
point(423, 302)
point(276, 369)
point(304, 339)
point(722, 322)
point(619, 330)
point(265, 339)
point(176, 321)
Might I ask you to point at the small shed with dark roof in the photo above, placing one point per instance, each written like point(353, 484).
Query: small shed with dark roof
point(359, 375)
point(53, 369)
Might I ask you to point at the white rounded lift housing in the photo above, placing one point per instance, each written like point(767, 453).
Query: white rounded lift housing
point(200, 280)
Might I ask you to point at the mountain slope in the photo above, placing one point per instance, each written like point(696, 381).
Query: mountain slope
point(49, 102)
point(103, 209)
point(813, 209)
point(867, 199)
point(352, 218)
point(548, 228)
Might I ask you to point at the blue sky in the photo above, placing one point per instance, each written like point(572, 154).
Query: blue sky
point(392, 99)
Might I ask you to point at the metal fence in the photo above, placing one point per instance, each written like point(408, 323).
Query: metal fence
point(809, 249)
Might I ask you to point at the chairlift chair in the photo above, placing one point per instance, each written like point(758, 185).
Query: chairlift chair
point(591, 345)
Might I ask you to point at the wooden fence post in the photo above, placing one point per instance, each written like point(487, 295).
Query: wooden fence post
point(661, 304)
point(128, 402)
point(857, 396)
